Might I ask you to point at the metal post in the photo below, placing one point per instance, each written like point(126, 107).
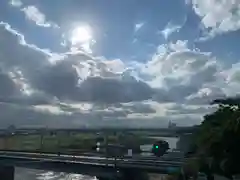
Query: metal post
point(41, 141)
point(106, 145)
point(58, 143)
point(7, 172)
point(115, 160)
point(5, 142)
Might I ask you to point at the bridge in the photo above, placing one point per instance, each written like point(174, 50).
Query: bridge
point(168, 132)
point(102, 167)
point(92, 164)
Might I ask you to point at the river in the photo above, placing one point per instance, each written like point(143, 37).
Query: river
point(29, 174)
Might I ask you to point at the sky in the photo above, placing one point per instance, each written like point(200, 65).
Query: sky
point(134, 63)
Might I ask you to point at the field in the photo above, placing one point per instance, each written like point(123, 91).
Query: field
point(66, 143)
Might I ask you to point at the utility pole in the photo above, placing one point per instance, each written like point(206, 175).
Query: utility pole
point(41, 139)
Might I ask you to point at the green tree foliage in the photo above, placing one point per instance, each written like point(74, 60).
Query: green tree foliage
point(218, 137)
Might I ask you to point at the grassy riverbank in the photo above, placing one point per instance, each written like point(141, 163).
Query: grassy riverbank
point(63, 142)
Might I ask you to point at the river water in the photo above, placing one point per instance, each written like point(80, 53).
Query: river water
point(29, 174)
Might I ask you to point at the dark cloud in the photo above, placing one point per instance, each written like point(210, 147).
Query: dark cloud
point(59, 80)
point(28, 100)
point(181, 109)
point(78, 78)
point(16, 53)
point(139, 107)
point(128, 108)
point(22, 116)
point(228, 101)
point(183, 74)
point(109, 90)
point(176, 93)
point(62, 80)
point(7, 86)
point(204, 75)
point(16, 56)
point(98, 111)
point(206, 96)
point(112, 115)
point(67, 80)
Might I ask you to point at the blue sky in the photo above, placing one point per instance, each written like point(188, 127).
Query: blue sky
point(135, 61)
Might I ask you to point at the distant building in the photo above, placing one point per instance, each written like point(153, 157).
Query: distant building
point(171, 125)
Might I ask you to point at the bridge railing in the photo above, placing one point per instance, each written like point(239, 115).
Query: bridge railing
point(73, 140)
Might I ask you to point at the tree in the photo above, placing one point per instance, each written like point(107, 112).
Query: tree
point(11, 129)
point(218, 138)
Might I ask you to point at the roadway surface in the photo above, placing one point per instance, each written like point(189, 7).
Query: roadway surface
point(89, 165)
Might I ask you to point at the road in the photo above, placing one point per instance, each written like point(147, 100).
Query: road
point(143, 163)
point(95, 158)
point(92, 164)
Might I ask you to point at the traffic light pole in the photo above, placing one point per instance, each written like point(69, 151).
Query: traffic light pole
point(106, 144)
point(160, 148)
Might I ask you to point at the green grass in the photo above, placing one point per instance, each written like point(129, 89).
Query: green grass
point(64, 142)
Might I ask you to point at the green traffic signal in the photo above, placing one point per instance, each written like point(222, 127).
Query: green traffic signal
point(160, 147)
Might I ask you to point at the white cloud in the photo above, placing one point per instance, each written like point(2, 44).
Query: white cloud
point(178, 66)
point(32, 13)
point(50, 109)
point(16, 3)
point(182, 74)
point(169, 29)
point(231, 77)
point(206, 95)
point(138, 26)
point(179, 46)
point(97, 91)
point(15, 41)
point(68, 77)
point(220, 16)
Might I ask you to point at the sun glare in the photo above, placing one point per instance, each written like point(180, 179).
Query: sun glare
point(81, 34)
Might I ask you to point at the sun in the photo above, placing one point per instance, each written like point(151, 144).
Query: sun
point(81, 34)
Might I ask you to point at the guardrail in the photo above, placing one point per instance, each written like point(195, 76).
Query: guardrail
point(21, 158)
